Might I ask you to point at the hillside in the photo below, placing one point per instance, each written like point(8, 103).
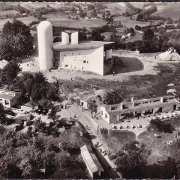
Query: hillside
point(170, 9)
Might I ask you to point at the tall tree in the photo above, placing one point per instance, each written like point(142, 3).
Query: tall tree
point(10, 72)
point(16, 40)
point(131, 161)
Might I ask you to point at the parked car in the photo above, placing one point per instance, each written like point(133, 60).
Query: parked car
point(28, 123)
point(18, 127)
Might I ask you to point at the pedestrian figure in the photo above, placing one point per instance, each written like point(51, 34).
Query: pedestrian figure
point(49, 70)
point(150, 94)
point(113, 73)
point(71, 79)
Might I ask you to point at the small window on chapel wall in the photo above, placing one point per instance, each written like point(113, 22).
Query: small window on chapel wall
point(84, 61)
point(105, 115)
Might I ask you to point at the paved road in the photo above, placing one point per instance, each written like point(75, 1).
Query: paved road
point(76, 110)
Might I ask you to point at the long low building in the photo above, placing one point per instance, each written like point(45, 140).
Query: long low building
point(93, 165)
point(114, 113)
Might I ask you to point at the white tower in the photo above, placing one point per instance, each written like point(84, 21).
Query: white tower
point(65, 38)
point(45, 45)
point(74, 38)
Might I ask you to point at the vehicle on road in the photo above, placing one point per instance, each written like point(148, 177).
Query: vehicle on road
point(28, 123)
point(18, 127)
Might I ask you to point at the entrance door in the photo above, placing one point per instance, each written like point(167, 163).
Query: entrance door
point(174, 107)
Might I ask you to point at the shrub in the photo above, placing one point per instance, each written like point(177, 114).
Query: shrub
point(112, 157)
point(161, 126)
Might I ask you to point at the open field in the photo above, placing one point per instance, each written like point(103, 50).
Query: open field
point(115, 8)
point(34, 5)
point(116, 139)
point(171, 9)
point(129, 65)
point(58, 20)
point(8, 12)
point(129, 22)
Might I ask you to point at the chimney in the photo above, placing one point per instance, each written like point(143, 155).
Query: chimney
point(65, 38)
point(74, 38)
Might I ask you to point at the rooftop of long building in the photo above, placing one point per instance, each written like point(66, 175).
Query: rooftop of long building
point(143, 104)
point(90, 159)
point(84, 45)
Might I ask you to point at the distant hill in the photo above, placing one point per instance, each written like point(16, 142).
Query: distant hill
point(169, 9)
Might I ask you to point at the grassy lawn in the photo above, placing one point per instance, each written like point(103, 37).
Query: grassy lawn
point(8, 12)
point(159, 146)
point(116, 139)
point(129, 22)
point(140, 86)
point(166, 10)
point(130, 65)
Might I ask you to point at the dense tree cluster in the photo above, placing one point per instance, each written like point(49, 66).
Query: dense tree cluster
point(16, 40)
point(36, 87)
point(132, 159)
point(146, 13)
point(23, 156)
point(161, 126)
point(154, 40)
point(9, 73)
point(132, 162)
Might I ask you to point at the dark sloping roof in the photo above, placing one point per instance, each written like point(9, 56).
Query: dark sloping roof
point(90, 159)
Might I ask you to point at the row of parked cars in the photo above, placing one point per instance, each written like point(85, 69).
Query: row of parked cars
point(126, 126)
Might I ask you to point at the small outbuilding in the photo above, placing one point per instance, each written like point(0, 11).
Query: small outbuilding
point(93, 165)
point(9, 98)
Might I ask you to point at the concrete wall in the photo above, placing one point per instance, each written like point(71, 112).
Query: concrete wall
point(84, 60)
point(74, 38)
point(108, 54)
point(65, 38)
point(104, 113)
